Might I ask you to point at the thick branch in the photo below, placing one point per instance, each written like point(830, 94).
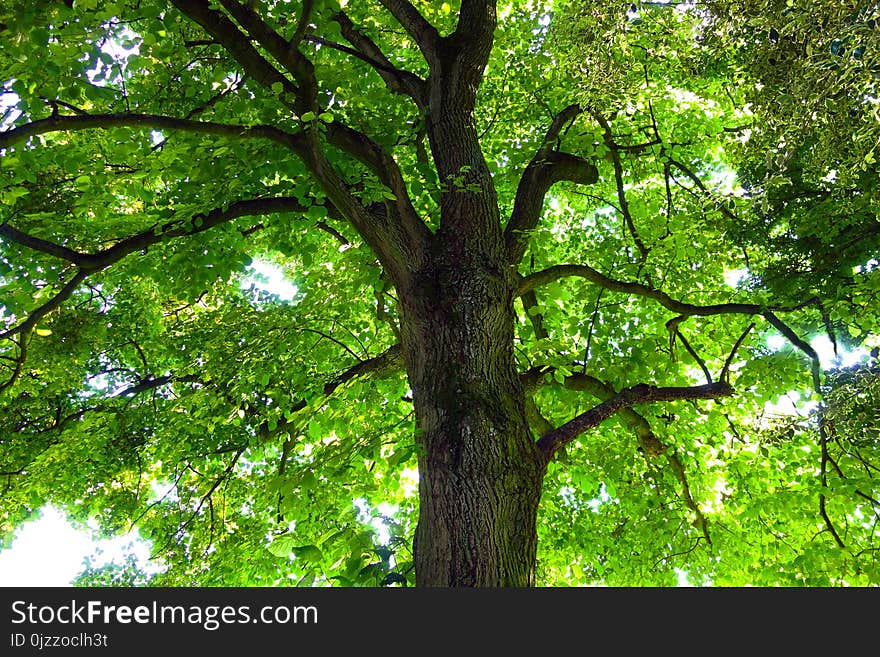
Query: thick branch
point(648, 442)
point(283, 51)
point(540, 424)
point(38, 244)
point(639, 394)
point(792, 337)
point(474, 31)
point(422, 32)
point(237, 44)
point(547, 167)
point(405, 232)
point(531, 308)
point(396, 237)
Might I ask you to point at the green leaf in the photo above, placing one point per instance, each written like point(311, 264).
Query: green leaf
point(308, 553)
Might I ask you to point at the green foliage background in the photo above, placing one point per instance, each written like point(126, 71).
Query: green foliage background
point(731, 138)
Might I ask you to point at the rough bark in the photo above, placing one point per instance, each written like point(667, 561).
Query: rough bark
point(480, 472)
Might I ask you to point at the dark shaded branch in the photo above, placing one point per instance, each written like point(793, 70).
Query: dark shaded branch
point(815, 365)
point(548, 167)
point(648, 442)
point(639, 394)
point(678, 468)
point(38, 244)
point(694, 354)
point(89, 263)
point(556, 272)
point(385, 364)
point(225, 32)
point(190, 226)
point(732, 355)
point(823, 511)
point(397, 80)
point(420, 30)
point(157, 382)
point(389, 236)
point(176, 228)
point(281, 49)
point(18, 362)
point(55, 302)
point(530, 306)
point(397, 237)
point(623, 203)
point(79, 122)
point(302, 26)
point(388, 363)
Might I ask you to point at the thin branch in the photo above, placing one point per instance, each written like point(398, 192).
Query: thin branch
point(556, 272)
point(681, 474)
point(19, 360)
point(386, 364)
point(694, 354)
point(592, 328)
point(397, 80)
point(79, 122)
point(528, 283)
point(642, 393)
point(334, 340)
point(736, 346)
point(55, 302)
point(614, 149)
point(823, 440)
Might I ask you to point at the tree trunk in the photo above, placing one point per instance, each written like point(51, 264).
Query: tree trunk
point(480, 472)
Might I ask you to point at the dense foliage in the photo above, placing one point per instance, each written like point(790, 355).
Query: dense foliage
point(151, 379)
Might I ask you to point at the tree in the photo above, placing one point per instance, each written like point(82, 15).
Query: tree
point(537, 253)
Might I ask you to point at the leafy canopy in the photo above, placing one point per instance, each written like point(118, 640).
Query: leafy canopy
point(151, 381)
